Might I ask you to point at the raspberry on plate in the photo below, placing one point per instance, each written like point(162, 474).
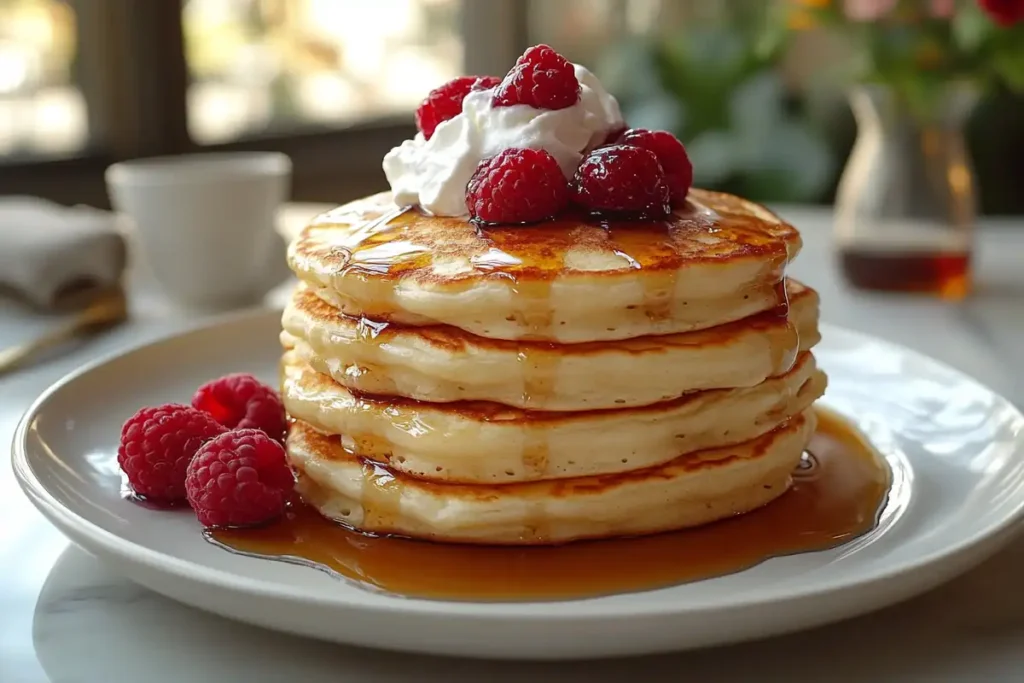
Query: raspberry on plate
point(445, 102)
point(671, 155)
point(240, 401)
point(517, 186)
point(241, 478)
point(541, 78)
point(621, 181)
point(157, 444)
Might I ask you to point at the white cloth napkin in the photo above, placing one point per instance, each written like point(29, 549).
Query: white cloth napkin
point(50, 252)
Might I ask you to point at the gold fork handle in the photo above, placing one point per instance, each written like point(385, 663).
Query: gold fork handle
point(109, 311)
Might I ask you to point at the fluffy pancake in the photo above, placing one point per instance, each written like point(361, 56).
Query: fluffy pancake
point(571, 280)
point(475, 442)
point(687, 491)
point(445, 364)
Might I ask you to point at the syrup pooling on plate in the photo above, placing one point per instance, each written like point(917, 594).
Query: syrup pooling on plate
point(838, 495)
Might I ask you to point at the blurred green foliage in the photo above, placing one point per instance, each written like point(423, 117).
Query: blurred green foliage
point(917, 48)
point(716, 81)
point(715, 84)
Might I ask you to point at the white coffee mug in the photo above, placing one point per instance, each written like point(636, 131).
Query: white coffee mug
point(206, 222)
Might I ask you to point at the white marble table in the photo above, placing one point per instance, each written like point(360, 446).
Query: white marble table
point(66, 618)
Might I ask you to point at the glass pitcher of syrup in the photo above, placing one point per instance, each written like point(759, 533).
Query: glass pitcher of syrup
point(906, 202)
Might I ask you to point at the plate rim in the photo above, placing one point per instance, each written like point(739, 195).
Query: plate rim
point(994, 534)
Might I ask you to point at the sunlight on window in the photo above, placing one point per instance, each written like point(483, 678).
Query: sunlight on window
point(582, 30)
point(42, 111)
point(268, 66)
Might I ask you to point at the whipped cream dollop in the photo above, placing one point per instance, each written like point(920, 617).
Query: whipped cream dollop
point(433, 173)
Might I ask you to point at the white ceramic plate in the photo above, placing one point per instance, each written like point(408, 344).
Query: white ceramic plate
point(955, 448)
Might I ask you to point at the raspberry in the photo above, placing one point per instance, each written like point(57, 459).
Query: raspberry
point(541, 78)
point(157, 445)
point(622, 180)
point(671, 155)
point(240, 478)
point(445, 102)
point(240, 401)
point(517, 186)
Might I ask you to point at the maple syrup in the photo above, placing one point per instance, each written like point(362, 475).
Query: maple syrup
point(370, 245)
point(946, 274)
point(838, 495)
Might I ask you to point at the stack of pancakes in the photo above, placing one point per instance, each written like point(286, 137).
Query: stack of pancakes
point(540, 384)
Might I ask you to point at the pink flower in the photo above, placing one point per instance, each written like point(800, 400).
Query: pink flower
point(867, 10)
point(941, 9)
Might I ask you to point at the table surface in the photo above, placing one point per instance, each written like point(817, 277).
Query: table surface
point(64, 617)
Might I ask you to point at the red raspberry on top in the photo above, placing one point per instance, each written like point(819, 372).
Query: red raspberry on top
point(240, 478)
point(517, 186)
point(621, 180)
point(541, 78)
point(241, 401)
point(157, 444)
point(445, 102)
point(671, 155)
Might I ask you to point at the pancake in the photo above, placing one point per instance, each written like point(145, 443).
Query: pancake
point(445, 364)
point(687, 491)
point(476, 442)
point(571, 280)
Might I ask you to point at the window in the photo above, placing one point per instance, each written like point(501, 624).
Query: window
point(260, 67)
point(42, 109)
point(332, 83)
point(583, 31)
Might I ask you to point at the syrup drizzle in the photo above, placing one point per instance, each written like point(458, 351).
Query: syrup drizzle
point(382, 495)
point(536, 453)
point(388, 246)
point(784, 353)
point(658, 296)
point(540, 363)
point(382, 243)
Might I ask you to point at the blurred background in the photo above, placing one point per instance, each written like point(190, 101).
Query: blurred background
point(753, 87)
